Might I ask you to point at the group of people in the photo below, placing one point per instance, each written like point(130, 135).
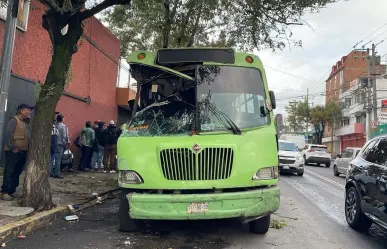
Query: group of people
point(98, 144)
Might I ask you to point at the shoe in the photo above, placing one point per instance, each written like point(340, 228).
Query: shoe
point(58, 177)
point(7, 197)
point(71, 170)
point(112, 171)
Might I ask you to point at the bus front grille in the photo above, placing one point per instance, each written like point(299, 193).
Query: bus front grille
point(182, 164)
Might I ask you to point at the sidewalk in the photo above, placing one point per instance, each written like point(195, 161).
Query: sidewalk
point(75, 188)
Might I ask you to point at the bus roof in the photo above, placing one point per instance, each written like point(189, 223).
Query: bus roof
point(211, 56)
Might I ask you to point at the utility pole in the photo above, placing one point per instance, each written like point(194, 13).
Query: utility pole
point(373, 68)
point(307, 109)
point(6, 61)
point(368, 107)
point(332, 132)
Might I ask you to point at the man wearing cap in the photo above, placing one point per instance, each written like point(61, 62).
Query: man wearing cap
point(17, 143)
point(111, 137)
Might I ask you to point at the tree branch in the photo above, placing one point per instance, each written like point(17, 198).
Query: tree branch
point(100, 7)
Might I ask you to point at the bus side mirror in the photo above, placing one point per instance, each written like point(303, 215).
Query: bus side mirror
point(272, 99)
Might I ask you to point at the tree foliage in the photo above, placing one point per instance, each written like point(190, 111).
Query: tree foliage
point(298, 115)
point(63, 21)
point(245, 24)
point(323, 115)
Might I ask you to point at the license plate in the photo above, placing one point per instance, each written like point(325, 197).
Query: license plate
point(285, 167)
point(197, 207)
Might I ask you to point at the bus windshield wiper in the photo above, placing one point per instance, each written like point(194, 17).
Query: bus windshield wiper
point(235, 129)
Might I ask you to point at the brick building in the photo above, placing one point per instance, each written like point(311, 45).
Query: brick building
point(91, 94)
point(347, 69)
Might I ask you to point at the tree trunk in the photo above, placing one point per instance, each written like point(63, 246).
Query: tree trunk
point(36, 189)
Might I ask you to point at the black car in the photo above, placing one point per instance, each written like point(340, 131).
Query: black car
point(366, 186)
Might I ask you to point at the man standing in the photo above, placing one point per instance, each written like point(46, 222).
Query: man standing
point(17, 143)
point(87, 137)
point(111, 137)
point(63, 143)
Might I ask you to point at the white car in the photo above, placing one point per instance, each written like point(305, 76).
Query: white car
point(343, 160)
point(319, 154)
point(290, 159)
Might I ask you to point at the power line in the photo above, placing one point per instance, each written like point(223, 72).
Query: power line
point(295, 76)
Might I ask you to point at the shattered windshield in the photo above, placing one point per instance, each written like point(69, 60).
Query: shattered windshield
point(166, 105)
point(237, 92)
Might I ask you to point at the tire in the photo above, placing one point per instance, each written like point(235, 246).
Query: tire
point(260, 226)
point(317, 164)
point(335, 171)
point(328, 165)
point(306, 161)
point(126, 224)
point(300, 174)
point(356, 219)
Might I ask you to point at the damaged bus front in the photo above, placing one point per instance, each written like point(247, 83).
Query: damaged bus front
point(201, 142)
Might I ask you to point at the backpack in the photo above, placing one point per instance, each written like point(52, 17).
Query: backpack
point(82, 140)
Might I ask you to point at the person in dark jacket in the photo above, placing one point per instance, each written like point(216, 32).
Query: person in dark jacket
point(98, 147)
point(17, 144)
point(111, 137)
point(54, 143)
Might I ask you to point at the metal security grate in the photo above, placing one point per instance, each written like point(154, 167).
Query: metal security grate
point(182, 164)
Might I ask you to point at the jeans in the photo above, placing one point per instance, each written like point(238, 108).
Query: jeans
point(55, 166)
point(85, 162)
point(97, 157)
point(14, 166)
point(109, 157)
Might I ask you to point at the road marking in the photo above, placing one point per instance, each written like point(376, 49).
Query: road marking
point(325, 179)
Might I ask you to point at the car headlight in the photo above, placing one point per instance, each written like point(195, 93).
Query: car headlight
point(129, 177)
point(266, 173)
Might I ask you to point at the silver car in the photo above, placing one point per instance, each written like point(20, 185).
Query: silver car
point(343, 160)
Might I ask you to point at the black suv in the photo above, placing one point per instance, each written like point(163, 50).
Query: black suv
point(366, 186)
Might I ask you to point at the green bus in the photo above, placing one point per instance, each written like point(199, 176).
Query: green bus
point(201, 142)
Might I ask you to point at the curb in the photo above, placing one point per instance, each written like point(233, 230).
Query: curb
point(42, 219)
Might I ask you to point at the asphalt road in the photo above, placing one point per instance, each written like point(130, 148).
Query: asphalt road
point(311, 211)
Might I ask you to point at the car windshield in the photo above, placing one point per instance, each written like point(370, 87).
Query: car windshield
point(287, 146)
point(237, 92)
point(320, 148)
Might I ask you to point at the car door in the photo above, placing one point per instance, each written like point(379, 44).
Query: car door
point(345, 160)
point(365, 177)
point(372, 173)
point(382, 182)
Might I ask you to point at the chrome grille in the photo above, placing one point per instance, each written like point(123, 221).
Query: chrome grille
point(182, 164)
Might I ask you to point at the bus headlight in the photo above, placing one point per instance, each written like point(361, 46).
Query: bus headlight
point(266, 173)
point(129, 177)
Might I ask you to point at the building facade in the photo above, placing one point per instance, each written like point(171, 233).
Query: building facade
point(347, 69)
point(91, 93)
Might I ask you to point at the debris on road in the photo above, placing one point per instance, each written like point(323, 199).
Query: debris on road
point(3, 245)
point(277, 224)
point(72, 218)
point(21, 236)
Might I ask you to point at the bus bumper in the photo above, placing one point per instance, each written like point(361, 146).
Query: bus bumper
point(246, 204)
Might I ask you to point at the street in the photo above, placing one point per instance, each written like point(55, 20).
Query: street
point(311, 213)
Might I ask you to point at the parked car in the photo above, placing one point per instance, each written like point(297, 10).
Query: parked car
point(366, 186)
point(319, 154)
point(290, 159)
point(343, 160)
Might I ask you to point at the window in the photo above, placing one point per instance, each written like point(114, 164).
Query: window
point(320, 148)
point(24, 9)
point(345, 122)
point(347, 103)
point(378, 153)
point(347, 153)
point(368, 149)
point(357, 153)
point(361, 119)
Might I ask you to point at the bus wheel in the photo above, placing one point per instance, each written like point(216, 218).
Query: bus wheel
point(260, 226)
point(127, 224)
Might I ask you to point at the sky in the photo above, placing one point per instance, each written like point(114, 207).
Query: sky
point(331, 34)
